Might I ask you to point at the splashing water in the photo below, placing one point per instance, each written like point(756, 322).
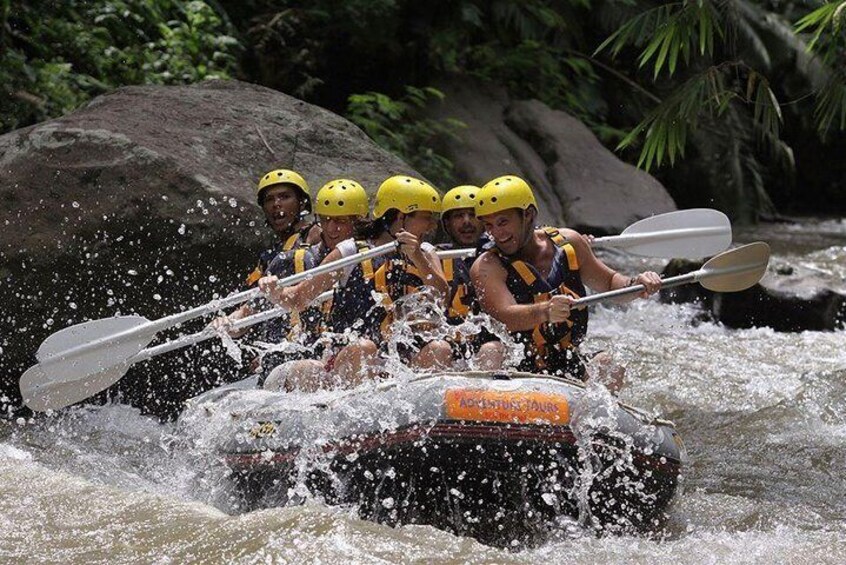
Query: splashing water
point(761, 412)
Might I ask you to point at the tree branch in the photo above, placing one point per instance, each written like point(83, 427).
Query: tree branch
point(615, 73)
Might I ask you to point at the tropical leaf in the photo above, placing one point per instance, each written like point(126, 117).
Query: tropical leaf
point(830, 110)
point(665, 129)
point(667, 32)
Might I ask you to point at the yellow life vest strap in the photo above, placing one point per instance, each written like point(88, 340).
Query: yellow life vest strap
point(525, 272)
point(457, 307)
point(291, 242)
point(299, 260)
point(253, 277)
point(367, 265)
point(449, 268)
point(380, 282)
point(561, 242)
point(367, 269)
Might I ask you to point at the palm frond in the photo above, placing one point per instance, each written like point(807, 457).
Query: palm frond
point(828, 41)
point(831, 105)
point(668, 32)
point(665, 129)
point(828, 17)
point(743, 22)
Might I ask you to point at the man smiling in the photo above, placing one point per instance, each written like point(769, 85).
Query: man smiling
point(529, 278)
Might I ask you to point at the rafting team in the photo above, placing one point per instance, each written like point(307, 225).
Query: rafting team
point(525, 277)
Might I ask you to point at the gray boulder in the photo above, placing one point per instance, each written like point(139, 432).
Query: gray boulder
point(143, 201)
point(577, 180)
point(790, 298)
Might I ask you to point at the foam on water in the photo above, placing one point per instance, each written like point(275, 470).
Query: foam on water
point(763, 415)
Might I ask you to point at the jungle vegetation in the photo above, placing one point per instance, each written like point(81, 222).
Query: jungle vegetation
point(729, 102)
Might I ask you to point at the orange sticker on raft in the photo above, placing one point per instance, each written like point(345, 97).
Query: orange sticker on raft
point(513, 407)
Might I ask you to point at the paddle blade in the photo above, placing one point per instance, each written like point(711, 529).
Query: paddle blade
point(737, 269)
point(695, 233)
point(87, 332)
point(64, 375)
point(42, 391)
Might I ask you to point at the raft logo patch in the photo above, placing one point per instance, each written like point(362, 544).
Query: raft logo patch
point(512, 407)
point(263, 429)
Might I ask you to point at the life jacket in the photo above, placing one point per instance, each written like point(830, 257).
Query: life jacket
point(462, 298)
point(396, 277)
point(353, 304)
point(283, 265)
point(267, 256)
point(315, 319)
point(550, 347)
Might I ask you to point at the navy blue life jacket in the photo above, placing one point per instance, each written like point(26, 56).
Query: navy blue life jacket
point(396, 277)
point(551, 348)
point(268, 255)
point(284, 265)
point(314, 320)
point(462, 298)
point(353, 305)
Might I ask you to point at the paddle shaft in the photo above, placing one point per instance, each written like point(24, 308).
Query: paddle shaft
point(622, 241)
point(456, 253)
point(625, 240)
point(669, 282)
point(238, 298)
point(210, 332)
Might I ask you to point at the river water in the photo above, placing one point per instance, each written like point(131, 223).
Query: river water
point(763, 415)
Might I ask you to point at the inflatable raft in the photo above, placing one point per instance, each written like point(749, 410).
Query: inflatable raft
point(505, 458)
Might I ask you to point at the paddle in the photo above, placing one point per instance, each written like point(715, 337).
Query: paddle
point(692, 234)
point(730, 271)
point(41, 392)
point(89, 348)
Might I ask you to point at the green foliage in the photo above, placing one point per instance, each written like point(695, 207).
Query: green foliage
point(691, 31)
point(531, 47)
point(667, 32)
point(53, 59)
point(827, 25)
point(325, 50)
point(395, 126)
point(666, 128)
point(673, 74)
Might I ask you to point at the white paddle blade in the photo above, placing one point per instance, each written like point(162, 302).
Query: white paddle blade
point(57, 381)
point(86, 332)
point(737, 269)
point(42, 391)
point(695, 233)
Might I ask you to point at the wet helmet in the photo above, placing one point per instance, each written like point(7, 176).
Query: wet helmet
point(283, 176)
point(341, 197)
point(463, 196)
point(407, 195)
point(504, 193)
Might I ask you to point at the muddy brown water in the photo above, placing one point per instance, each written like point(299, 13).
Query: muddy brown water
point(763, 415)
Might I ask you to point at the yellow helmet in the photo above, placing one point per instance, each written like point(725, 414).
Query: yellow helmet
point(341, 197)
point(503, 193)
point(463, 196)
point(283, 176)
point(407, 195)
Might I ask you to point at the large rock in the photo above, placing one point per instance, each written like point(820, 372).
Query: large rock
point(143, 201)
point(577, 180)
point(790, 298)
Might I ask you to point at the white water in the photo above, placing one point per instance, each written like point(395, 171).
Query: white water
point(763, 415)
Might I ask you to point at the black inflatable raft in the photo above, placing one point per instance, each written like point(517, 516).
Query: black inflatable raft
point(503, 457)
